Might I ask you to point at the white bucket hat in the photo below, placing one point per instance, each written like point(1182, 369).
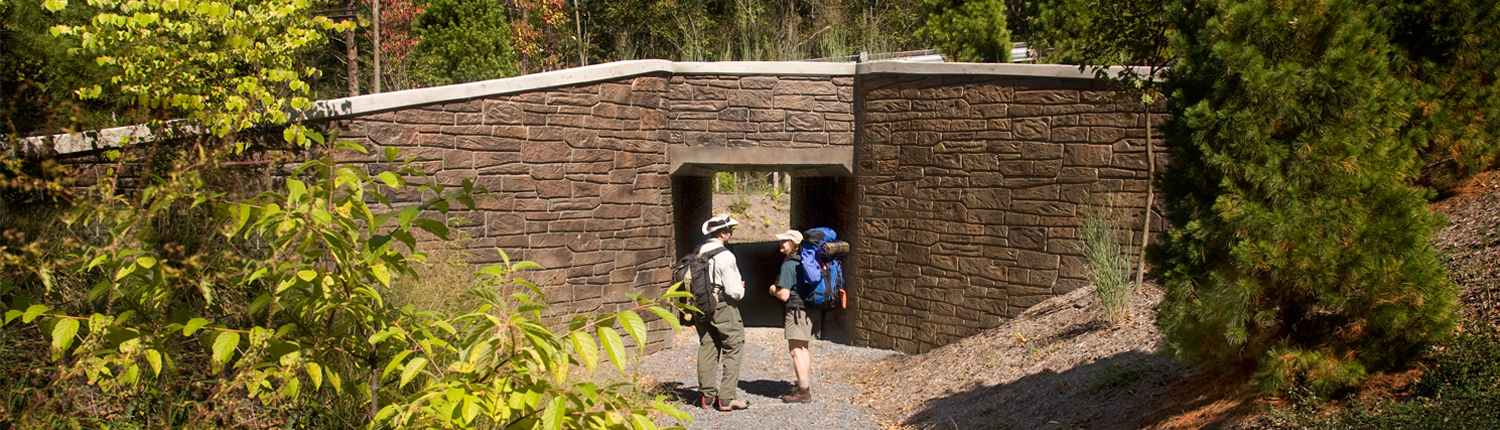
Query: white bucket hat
point(717, 223)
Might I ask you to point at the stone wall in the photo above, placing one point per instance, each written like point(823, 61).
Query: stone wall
point(969, 192)
point(581, 173)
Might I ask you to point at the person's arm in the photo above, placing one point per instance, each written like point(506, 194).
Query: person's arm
point(787, 279)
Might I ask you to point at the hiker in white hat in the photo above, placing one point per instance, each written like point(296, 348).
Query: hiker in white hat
point(721, 335)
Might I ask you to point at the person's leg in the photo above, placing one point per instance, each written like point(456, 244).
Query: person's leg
point(801, 361)
point(708, 360)
point(732, 348)
point(798, 338)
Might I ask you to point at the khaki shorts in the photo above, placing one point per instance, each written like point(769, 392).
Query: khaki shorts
point(804, 324)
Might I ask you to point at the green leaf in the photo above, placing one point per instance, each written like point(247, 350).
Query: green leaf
point(224, 346)
point(146, 262)
point(11, 315)
point(382, 274)
point(471, 409)
point(125, 270)
point(390, 153)
point(315, 374)
point(307, 275)
point(391, 179)
point(385, 413)
point(260, 302)
point(552, 417)
point(193, 325)
point(672, 411)
point(95, 262)
point(613, 346)
point(55, 5)
point(641, 422)
point(394, 363)
point(32, 312)
point(434, 227)
point(587, 348)
point(411, 369)
point(295, 189)
point(635, 326)
point(407, 214)
point(153, 357)
point(379, 336)
point(667, 316)
point(333, 379)
point(62, 336)
point(99, 289)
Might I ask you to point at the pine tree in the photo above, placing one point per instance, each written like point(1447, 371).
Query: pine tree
point(1298, 242)
point(1448, 51)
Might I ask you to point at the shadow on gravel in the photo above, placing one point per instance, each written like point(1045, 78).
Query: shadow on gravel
point(1132, 390)
point(766, 388)
point(762, 387)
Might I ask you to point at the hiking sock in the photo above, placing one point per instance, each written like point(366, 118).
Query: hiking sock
point(803, 384)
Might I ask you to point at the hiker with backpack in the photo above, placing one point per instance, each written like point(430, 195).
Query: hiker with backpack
point(810, 282)
point(721, 331)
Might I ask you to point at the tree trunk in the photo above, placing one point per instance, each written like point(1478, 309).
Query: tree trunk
point(375, 18)
point(374, 389)
point(583, 59)
point(351, 52)
point(1140, 276)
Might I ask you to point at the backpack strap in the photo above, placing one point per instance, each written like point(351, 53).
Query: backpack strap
point(709, 256)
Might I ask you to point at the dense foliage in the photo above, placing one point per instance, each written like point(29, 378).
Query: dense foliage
point(1300, 133)
point(462, 41)
point(969, 31)
point(169, 293)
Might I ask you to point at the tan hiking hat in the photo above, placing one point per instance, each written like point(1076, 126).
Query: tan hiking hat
point(792, 235)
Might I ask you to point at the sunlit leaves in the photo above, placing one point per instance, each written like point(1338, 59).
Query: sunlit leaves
point(224, 65)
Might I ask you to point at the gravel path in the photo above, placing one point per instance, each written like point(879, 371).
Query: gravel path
point(765, 375)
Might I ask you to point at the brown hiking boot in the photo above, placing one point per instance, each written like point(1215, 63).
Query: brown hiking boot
point(799, 395)
point(731, 405)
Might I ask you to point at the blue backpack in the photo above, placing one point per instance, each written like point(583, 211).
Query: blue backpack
point(823, 276)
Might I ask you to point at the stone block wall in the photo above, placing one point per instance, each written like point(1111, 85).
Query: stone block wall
point(767, 111)
point(969, 191)
point(581, 175)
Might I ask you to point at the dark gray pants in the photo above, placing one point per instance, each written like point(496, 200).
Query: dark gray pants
point(721, 340)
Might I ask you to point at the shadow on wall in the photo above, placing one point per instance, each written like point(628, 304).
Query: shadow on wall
point(1131, 390)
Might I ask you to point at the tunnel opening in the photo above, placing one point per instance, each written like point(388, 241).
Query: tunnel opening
point(814, 199)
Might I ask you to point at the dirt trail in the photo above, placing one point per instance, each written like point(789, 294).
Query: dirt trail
point(765, 375)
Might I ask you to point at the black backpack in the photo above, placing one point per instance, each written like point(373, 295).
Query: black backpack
point(692, 271)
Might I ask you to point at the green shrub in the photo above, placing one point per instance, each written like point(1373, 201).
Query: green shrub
point(1298, 245)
